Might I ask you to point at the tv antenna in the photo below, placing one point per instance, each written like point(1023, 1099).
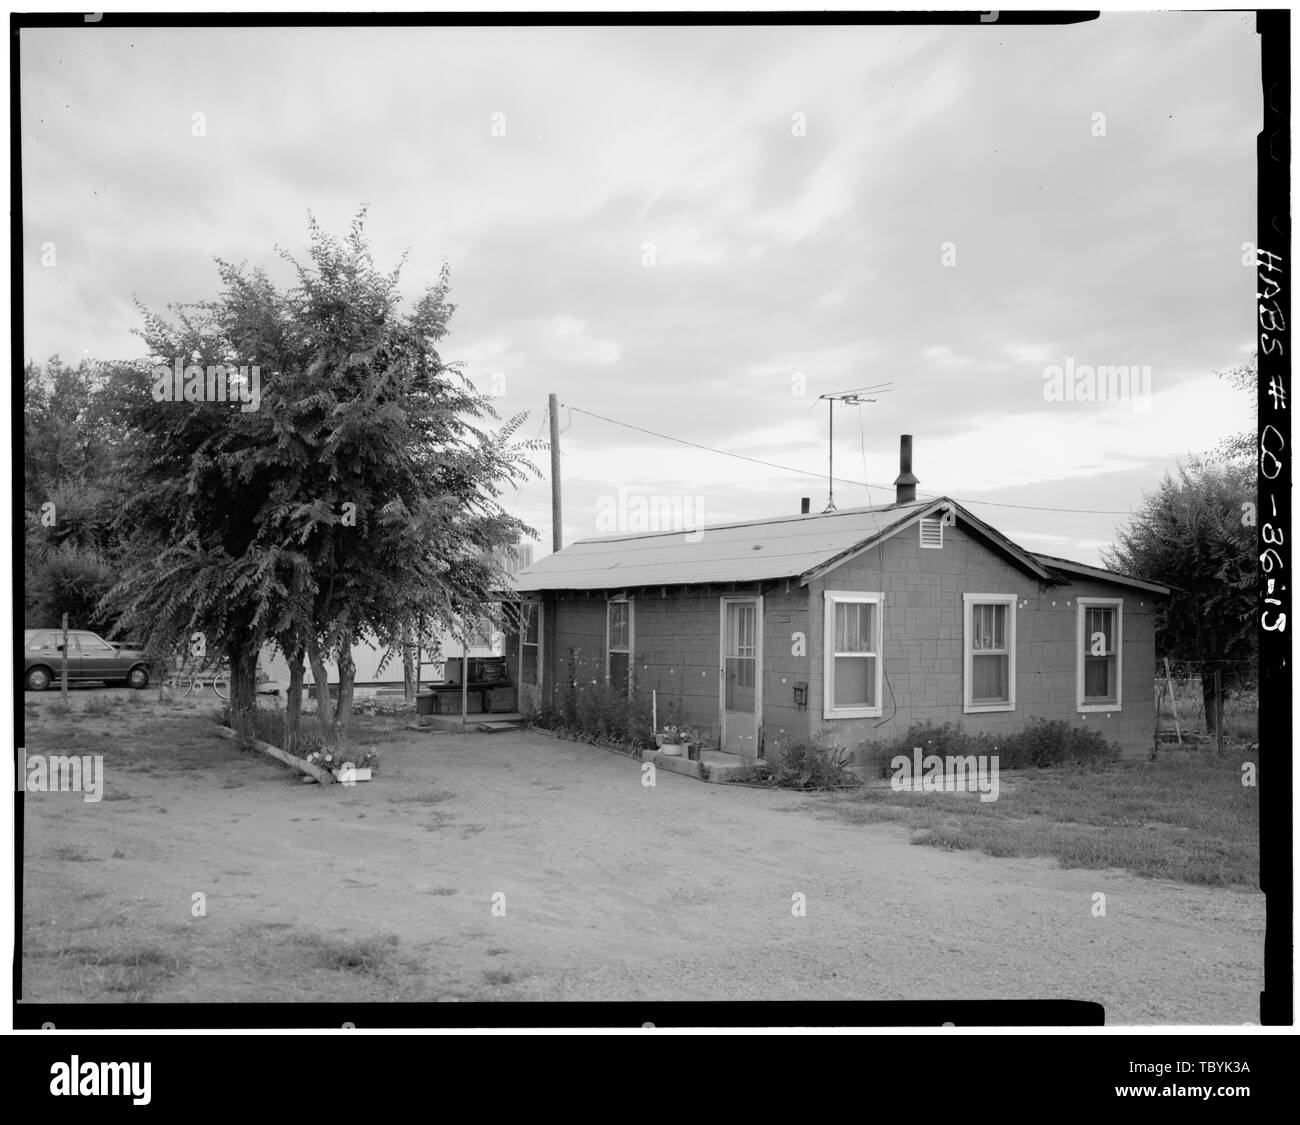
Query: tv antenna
point(857, 397)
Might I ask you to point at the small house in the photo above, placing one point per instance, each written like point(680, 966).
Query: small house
point(858, 622)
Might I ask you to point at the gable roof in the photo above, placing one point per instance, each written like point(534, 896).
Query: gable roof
point(1082, 570)
point(803, 547)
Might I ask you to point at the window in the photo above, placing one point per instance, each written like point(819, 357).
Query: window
point(618, 625)
point(92, 645)
point(990, 652)
point(43, 641)
point(852, 655)
point(932, 533)
point(1098, 647)
point(530, 663)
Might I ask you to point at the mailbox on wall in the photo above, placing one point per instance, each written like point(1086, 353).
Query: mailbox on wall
point(801, 694)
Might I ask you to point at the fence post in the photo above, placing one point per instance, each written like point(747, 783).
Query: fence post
point(1173, 702)
point(1160, 698)
point(1218, 710)
point(64, 654)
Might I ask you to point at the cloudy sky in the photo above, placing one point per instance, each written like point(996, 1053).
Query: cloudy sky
point(681, 229)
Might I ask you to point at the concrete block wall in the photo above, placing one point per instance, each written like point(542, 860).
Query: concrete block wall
point(677, 637)
point(675, 641)
point(923, 624)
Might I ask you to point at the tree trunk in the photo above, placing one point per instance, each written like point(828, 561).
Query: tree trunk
point(243, 689)
point(293, 702)
point(343, 706)
point(1208, 698)
point(321, 686)
point(408, 666)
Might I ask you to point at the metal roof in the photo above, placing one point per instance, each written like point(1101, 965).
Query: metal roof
point(783, 547)
point(1085, 571)
point(756, 550)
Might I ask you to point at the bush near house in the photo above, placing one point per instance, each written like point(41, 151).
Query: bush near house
point(1045, 742)
point(594, 712)
point(806, 764)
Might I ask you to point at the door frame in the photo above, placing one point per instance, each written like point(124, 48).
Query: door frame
point(723, 602)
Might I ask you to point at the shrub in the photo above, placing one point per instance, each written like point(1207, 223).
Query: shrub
point(595, 712)
point(1054, 742)
point(1044, 742)
point(804, 764)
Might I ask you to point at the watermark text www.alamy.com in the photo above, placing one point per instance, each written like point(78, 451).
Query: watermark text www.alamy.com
point(115, 1079)
point(1107, 383)
point(638, 513)
point(220, 382)
point(954, 773)
point(62, 773)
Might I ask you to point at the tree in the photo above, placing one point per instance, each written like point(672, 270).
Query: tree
point(362, 491)
point(1245, 378)
point(1196, 534)
point(71, 484)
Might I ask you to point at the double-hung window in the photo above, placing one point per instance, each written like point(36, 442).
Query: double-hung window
point(1098, 653)
point(618, 644)
point(852, 660)
point(990, 652)
point(530, 644)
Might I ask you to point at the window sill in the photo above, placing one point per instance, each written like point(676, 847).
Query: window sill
point(854, 713)
point(1093, 708)
point(980, 708)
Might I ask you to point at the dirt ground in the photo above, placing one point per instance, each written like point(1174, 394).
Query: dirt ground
point(613, 890)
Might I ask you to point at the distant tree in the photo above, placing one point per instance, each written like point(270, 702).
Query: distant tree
point(1196, 534)
point(71, 454)
point(361, 493)
point(1245, 378)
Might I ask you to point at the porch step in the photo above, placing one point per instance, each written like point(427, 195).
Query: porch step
point(714, 765)
point(499, 726)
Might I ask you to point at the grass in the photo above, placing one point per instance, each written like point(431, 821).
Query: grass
point(368, 956)
point(130, 972)
point(1185, 817)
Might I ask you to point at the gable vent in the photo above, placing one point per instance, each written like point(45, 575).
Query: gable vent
point(932, 533)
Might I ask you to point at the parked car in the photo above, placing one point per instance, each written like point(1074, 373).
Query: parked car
point(90, 657)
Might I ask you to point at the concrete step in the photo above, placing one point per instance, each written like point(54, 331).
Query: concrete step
point(714, 765)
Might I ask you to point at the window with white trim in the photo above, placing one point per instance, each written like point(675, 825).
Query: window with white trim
point(852, 663)
point(990, 652)
point(530, 644)
point(1098, 649)
point(618, 645)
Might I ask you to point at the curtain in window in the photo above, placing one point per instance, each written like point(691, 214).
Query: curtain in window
point(855, 627)
point(990, 659)
point(1099, 671)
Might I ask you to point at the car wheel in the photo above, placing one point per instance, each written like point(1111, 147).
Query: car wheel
point(38, 679)
point(138, 677)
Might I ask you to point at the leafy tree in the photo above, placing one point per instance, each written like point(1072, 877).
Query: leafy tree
point(361, 493)
point(1245, 378)
point(70, 460)
point(1196, 534)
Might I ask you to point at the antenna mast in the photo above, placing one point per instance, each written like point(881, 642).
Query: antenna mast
point(849, 398)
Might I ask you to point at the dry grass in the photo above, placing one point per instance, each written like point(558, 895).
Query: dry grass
point(1186, 817)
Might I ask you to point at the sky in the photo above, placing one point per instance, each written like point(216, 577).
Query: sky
point(698, 231)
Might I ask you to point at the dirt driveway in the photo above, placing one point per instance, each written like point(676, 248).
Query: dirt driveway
point(612, 890)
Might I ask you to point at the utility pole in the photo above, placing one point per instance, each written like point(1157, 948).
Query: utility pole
point(849, 398)
point(557, 525)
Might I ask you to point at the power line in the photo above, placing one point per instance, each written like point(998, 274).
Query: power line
point(841, 480)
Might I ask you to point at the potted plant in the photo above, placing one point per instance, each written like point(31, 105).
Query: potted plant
point(346, 768)
point(691, 740)
point(669, 740)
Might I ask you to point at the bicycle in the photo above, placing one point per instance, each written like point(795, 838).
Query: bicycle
point(183, 679)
